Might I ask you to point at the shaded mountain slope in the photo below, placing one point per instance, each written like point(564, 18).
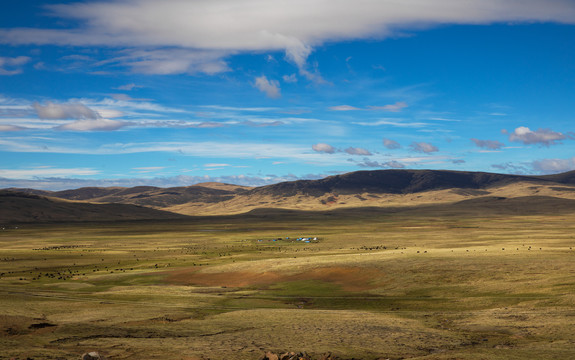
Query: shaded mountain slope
point(381, 188)
point(147, 195)
point(25, 208)
point(392, 182)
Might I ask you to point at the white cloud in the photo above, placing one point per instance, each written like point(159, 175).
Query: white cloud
point(323, 148)
point(423, 147)
point(174, 61)
point(391, 144)
point(488, 144)
point(64, 182)
point(343, 108)
point(9, 128)
point(393, 164)
point(290, 78)
point(270, 87)
point(551, 166)
point(545, 137)
point(393, 122)
point(397, 107)
point(358, 151)
point(93, 125)
point(52, 111)
point(33, 173)
point(12, 66)
point(129, 87)
point(295, 27)
point(147, 169)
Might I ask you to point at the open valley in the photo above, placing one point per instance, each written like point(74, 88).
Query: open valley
point(413, 283)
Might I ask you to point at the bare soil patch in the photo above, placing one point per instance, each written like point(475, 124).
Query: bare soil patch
point(349, 278)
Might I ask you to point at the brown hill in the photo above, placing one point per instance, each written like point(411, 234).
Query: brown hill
point(18, 207)
point(382, 188)
point(392, 182)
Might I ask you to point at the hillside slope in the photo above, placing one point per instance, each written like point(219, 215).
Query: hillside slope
point(27, 208)
point(380, 188)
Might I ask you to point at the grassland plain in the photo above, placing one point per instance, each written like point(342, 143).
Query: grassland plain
point(377, 285)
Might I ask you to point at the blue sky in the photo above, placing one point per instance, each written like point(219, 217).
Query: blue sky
point(252, 92)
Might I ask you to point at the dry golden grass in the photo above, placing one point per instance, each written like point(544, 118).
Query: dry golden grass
point(244, 203)
point(414, 284)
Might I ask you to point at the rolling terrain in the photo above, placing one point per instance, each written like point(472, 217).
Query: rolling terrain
point(407, 265)
point(371, 189)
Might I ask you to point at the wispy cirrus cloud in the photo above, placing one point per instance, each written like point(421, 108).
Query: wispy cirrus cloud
point(12, 65)
point(393, 122)
point(11, 128)
point(93, 125)
point(53, 111)
point(343, 108)
point(45, 171)
point(397, 107)
point(87, 119)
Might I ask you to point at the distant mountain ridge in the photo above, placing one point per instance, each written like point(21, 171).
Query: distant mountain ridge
point(356, 189)
point(399, 182)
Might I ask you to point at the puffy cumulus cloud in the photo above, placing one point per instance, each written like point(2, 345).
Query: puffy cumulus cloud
point(358, 151)
point(93, 125)
point(488, 144)
point(551, 166)
point(12, 65)
point(323, 148)
point(391, 144)
point(397, 107)
point(423, 147)
point(545, 137)
point(53, 111)
point(295, 27)
point(270, 87)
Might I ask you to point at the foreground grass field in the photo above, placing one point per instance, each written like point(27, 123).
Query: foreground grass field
point(376, 285)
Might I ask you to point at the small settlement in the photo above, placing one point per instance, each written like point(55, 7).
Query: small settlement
point(307, 239)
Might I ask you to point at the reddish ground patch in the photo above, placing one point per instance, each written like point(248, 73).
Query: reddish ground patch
point(349, 278)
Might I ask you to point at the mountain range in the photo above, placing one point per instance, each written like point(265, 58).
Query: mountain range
point(379, 189)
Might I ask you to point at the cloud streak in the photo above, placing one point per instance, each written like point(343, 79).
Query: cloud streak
point(12, 65)
point(233, 26)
